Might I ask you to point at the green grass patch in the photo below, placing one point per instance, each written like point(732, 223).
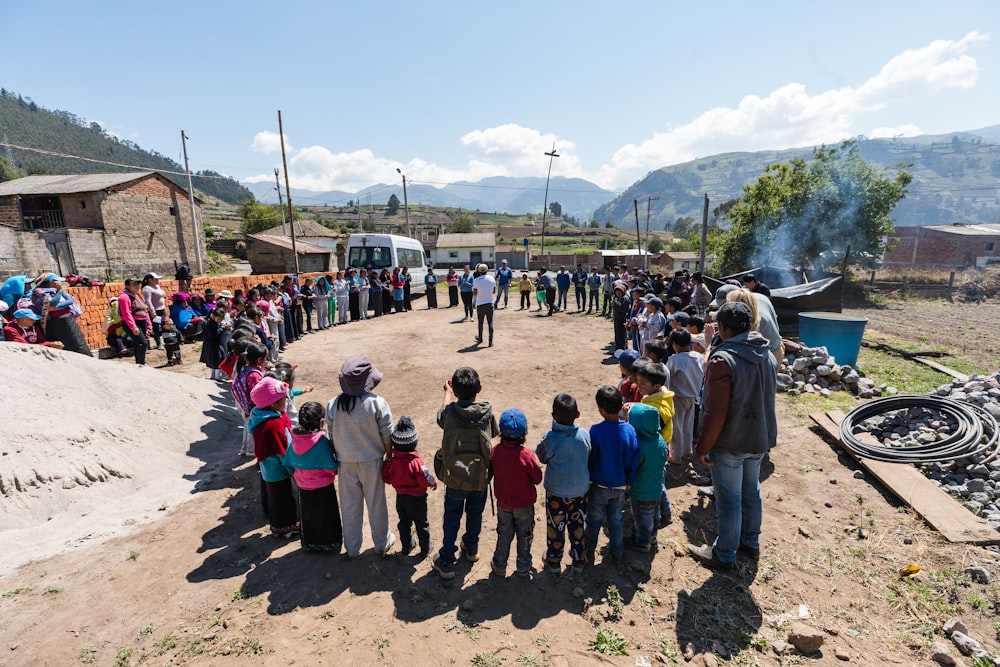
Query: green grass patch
point(608, 642)
point(909, 377)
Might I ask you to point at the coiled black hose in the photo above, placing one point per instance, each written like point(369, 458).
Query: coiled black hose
point(976, 435)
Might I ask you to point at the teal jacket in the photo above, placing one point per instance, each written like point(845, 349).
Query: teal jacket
point(648, 485)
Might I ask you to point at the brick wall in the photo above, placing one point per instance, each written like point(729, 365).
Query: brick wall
point(10, 212)
point(82, 210)
point(94, 300)
point(932, 248)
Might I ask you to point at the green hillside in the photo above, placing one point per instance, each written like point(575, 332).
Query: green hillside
point(956, 179)
point(24, 123)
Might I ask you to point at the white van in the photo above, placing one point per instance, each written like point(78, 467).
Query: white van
point(387, 251)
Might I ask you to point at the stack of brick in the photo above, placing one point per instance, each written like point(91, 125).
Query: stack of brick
point(94, 300)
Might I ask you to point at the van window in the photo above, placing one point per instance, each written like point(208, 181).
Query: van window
point(410, 257)
point(379, 257)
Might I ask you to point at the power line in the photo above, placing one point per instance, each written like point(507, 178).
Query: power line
point(113, 164)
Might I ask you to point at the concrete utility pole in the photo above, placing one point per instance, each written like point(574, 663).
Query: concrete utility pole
point(704, 235)
point(649, 205)
point(545, 206)
point(199, 267)
point(288, 192)
point(281, 207)
point(406, 202)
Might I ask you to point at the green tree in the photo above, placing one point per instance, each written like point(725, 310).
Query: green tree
point(9, 172)
point(594, 224)
point(393, 205)
point(258, 217)
point(555, 209)
point(462, 224)
point(656, 245)
point(802, 212)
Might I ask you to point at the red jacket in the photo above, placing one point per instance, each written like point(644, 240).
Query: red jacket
point(405, 472)
point(516, 472)
point(13, 333)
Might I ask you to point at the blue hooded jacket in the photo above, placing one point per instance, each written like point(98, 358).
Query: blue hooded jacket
point(565, 451)
point(645, 419)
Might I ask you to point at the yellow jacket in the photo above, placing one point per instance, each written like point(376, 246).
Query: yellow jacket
point(663, 401)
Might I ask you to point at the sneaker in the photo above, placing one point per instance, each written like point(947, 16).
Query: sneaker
point(524, 574)
point(471, 556)
point(635, 546)
point(665, 521)
point(406, 549)
point(579, 565)
point(705, 555)
point(591, 556)
point(750, 552)
point(445, 570)
point(388, 545)
point(552, 566)
point(497, 570)
point(424, 552)
point(479, 339)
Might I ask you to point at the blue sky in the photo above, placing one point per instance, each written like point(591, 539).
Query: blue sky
point(463, 90)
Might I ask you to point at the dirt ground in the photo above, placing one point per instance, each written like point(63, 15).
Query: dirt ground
point(206, 584)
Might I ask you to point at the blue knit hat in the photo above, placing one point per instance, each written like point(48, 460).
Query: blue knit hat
point(513, 423)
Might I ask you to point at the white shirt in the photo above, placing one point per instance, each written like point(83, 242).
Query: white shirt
point(484, 286)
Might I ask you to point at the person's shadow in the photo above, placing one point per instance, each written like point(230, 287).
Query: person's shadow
point(720, 616)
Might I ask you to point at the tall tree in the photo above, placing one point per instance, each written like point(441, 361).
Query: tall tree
point(258, 217)
point(463, 224)
point(555, 209)
point(801, 212)
point(393, 205)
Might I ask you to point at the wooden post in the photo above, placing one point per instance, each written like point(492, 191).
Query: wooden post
point(951, 286)
point(871, 278)
point(904, 286)
point(843, 268)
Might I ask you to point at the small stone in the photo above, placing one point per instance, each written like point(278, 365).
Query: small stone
point(688, 651)
point(709, 660)
point(468, 605)
point(859, 474)
point(862, 533)
point(980, 575)
point(828, 504)
point(941, 655)
point(966, 644)
point(578, 592)
point(226, 650)
point(833, 481)
point(841, 654)
point(706, 491)
point(208, 638)
point(781, 647)
point(908, 540)
point(804, 532)
point(804, 638)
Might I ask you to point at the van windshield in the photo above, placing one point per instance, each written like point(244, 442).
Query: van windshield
point(371, 257)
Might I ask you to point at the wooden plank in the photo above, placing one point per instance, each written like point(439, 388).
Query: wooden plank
point(923, 496)
point(941, 367)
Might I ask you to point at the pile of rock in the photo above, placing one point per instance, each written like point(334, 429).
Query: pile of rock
point(811, 370)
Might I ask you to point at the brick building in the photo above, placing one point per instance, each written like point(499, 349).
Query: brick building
point(944, 247)
point(99, 225)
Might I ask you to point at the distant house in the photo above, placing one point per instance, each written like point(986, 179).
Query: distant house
point(679, 260)
point(461, 249)
point(944, 247)
point(99, 225)
point(309, 231)
point(273, 254)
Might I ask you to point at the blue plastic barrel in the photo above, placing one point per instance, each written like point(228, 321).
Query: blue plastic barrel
point(841, 334)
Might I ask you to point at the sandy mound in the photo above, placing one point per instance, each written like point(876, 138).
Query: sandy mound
point(90, 447)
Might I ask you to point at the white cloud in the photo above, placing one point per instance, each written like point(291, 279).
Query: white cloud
point(789, 116)
point(269, 142)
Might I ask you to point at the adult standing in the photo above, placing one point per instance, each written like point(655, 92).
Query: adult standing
point(59, 310)
point(308, 300)
point(504, 277)
point(359, 424)
point(364, 292)
point(620, 305)
point(452, 280)
point(354, 295)
point(386, 279)
point(739, 426)
point(407, 281)
point(320, 291)
point(607, 285)
point(483, 287)
point(545, 283)
point(596, 286)
point(701, 296)
point(563, 280)
point(341, 289)
point(751, 283)
point(156, 300)
point(430, 283)
point(580, 287)
point(375, 292)
point(465, 289)
point(135, 316)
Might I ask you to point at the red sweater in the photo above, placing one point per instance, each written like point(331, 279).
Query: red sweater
point(516, 472)
point(405, 472)
point(13, 333)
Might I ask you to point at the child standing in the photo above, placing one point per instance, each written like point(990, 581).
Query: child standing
point(565, 451)
point(255, 365)
point(516, 472)
point(627, 386)
point(408, 475)
point(687, 371)
point(645, 493)
point(214, 339)
point(271, 430)
point(314, 467)
point(524, 288)
point(463, 465)
point(171, 342)
point(285, 372)
point(614, 458)
point(651, 379)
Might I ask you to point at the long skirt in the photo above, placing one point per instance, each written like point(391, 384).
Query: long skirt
point(452, 296)
point(319, 514)
point(282, 513)
point(65, 330)
point(386, 301)
point(432, 297)
point(355, 306)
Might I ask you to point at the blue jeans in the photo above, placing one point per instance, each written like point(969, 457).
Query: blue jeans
point(472, 503)
point(504, 291)
point(736, 481)
point(646, 516)
point(664, 501)
point(605, 503)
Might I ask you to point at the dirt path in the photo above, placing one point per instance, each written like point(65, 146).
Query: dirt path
point(206, 585)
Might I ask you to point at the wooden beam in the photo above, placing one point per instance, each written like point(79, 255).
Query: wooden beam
point(941, 367)
point(923, 496)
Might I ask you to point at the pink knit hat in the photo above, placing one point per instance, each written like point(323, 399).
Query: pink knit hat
point(263, 305)
point(268, 391)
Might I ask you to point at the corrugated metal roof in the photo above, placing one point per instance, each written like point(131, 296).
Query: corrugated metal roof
point(968, 230)
point(627, 252)
point(301, 247)
point(304, 228)
point(67, 184)
point(473, 240)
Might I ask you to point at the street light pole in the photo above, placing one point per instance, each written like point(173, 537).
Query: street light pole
point(406, 202)
point(545, 206)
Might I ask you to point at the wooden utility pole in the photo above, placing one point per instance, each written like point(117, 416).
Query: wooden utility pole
point(281, 205)
point(194, 213)
point(649, 206)
point(638, 234)
point(288, 194)
point(704, 235)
